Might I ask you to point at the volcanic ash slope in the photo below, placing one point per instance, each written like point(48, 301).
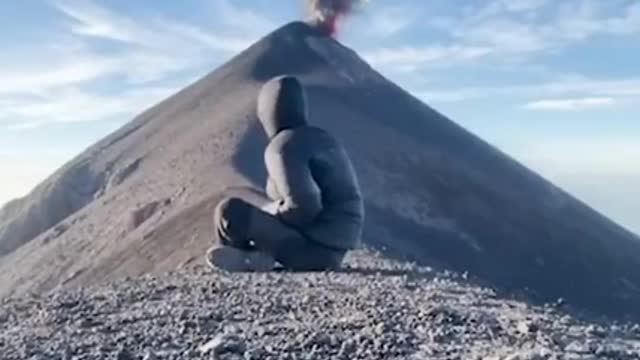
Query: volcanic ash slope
point(374, 309)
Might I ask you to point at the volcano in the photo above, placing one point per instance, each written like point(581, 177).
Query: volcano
point(141, 200)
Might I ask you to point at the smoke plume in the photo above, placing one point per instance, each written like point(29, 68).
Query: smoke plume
point(326, 14)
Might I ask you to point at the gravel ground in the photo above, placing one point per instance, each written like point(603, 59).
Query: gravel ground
point(375, 309)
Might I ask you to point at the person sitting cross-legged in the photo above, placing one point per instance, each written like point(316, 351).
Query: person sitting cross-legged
point(315, 212)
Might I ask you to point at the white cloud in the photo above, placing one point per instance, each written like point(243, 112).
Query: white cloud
point(505, 35)
point(499, 24)
point(56, 73)
point(577, 88)
point(629, 24)
point(570, 104)
point(506, 30)
point(523, 5)
point(502, 7)
point(386, 22)
point(209, 40)
point(74, 105)
point(97, 21)
point(59, 82)
point(587, 18)
point(414, 57)
point(160, 33)
point(81, 67)
point(248, 20)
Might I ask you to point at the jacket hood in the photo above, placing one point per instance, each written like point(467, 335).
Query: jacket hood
point(282, 105)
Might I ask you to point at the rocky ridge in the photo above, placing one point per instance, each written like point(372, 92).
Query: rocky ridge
point(374, 309)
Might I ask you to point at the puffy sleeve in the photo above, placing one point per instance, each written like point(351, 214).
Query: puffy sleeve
point(301, 198)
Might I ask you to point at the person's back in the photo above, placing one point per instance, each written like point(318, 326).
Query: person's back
point(316, 212)
point(340, 220)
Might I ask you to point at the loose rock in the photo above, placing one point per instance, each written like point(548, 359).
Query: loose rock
point(195, 313)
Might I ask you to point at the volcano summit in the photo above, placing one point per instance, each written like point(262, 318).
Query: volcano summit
point(141, 200)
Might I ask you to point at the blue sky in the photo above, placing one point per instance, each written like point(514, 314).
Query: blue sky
point(555, 84)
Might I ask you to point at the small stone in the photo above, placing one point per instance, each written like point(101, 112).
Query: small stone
point(124, 355)
point(529, 355)
point(577, 348)
point(255, 354)
point(526, 328)
point(380, 328)
point(347, 349)
point(150, 355)
point(595, 331)
point(615, 329)
point(224, 344)
point(191, 354)
point(319, 340)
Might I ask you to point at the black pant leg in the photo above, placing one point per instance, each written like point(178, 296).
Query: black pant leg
point(289, 246)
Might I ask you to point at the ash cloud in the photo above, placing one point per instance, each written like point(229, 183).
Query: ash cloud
point(326, 14)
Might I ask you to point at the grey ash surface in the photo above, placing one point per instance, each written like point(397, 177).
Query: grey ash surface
point(375, 309)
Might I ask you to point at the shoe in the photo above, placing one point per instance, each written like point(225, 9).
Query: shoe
point(235, 260)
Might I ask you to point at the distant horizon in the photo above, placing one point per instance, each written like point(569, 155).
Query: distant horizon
point(522, 75)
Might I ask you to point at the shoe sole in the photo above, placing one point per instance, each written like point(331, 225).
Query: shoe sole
point(234, 260)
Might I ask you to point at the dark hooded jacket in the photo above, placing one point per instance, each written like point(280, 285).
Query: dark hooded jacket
point(310, 174)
